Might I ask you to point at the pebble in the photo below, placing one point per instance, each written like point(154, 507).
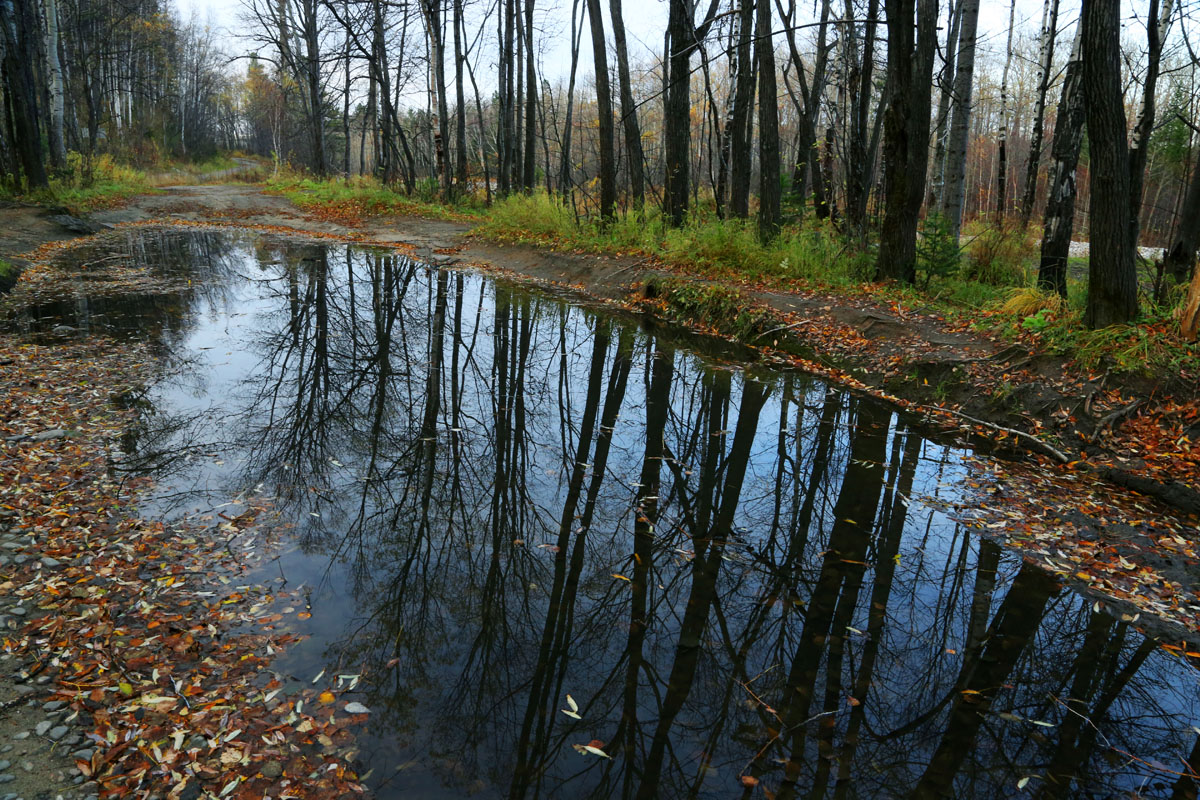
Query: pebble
point(43, 726)
point(21, 558)
point(5, 765)
point(7, 777)
point(54, 705)
point(272, 770)
point(357, 708)
point(21, 735)
point(59, 732)
point(47, 561)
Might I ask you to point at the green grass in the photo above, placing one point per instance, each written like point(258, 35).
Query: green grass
point(86, 184)
point(729, 249)
point(358, 197)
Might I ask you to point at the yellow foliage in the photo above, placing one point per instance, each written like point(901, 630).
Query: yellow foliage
point(1027, 302)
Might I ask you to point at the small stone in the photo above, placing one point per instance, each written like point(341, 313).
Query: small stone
point(197, 741)
point(5, 765)
point(21, 735)
point(43, 726)
point(272, 770)
point(27, 766)
point(54, 705)
point(45, 436)
point(47, 561)
point(58, 732)
point(85, 753)
point(18, 611)
point(357, 708)
point(73, 740)
point(7, 777)
point(20, 558)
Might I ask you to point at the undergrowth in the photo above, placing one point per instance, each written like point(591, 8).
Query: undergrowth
point(363, 196)
point(89, 183)
point(815, 255)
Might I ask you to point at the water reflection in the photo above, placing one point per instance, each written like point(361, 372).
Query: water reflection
point(733, 573)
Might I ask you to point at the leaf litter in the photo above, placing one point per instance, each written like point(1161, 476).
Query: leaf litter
point(143, 627)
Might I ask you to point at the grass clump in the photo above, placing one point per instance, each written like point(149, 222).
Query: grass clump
point(730, 248)
point(997, 255)
point(361, 196)
point(1029, 301)
point(89, 183)
point(712, 305)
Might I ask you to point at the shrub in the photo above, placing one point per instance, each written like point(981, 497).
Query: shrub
point(937, 251)
point(998, 255)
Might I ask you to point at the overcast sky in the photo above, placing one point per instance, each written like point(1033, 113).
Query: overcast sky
point(645, 21)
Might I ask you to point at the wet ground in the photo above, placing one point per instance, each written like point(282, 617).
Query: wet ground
point(559, 554)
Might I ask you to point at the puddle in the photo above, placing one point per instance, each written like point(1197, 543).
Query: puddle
point(742, 578)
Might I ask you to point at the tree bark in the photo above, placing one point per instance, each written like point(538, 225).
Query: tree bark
point(529, 176)
point(960, 125)
point(912, 42)
point(1060, 188)
point(460, 99)
point(769, 213)
point(1158, 23)
point(1112, 280)
point(15, 26)
point(629, 117)
point(677, 122)
point(738, 127)
point(945, 103)
point(608, 173)
point(1002, 143)
point(58, 146)
point(1045, 64)
point(859, 76)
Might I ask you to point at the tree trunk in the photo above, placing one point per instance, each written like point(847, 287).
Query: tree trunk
point(16, 17)
point(564, 175)
point(58, 147)
point(677, 126)
point(608, 176)
point(738, 126)
point(859, 80)
point(806, 147)
point(960, 125)
point(1112, 280)
point(912, 42)
point(769, 215)
point(945, 103)
point(629, 117)
point(1158, 23)
point(1060, 188)
point(1045, 64)
point(312, 76)
point(460, 99)
point(1002, 143)
point(529, 176)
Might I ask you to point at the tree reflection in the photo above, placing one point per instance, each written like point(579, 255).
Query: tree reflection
point(732, 573)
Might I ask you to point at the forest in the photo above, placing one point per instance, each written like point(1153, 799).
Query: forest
point(926, 149)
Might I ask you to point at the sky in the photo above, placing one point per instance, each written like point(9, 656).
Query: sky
point(645, 22)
